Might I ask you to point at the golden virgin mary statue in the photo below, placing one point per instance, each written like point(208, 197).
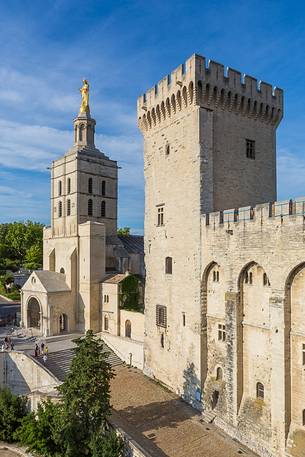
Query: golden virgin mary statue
point(84, 90)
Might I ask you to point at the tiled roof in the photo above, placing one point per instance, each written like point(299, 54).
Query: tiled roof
point(115, 279)
point(52, 281)
point(134, 244)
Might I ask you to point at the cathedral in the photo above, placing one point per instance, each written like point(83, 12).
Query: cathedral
point(81, 249)
point(224, 321)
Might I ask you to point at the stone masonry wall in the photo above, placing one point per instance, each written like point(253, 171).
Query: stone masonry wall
point(260, 255)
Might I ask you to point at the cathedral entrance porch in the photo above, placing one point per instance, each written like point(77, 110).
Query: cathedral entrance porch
point(34, 313)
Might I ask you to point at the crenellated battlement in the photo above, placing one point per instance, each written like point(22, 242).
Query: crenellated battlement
point(199, 82)
point(260, 213)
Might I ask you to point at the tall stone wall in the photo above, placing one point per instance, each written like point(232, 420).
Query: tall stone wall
point(259, 297)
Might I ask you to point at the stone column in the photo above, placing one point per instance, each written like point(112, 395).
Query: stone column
point(234, 349)
point(280, 376)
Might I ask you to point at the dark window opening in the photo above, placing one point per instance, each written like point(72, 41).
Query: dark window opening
point(90, 186)
point(250, 149)
point(219, 374)
point(90, 207)
point(103, 188)
point(167, 149)
point(68, 207)
point(260, 391)
point(103, 209)
point(106, 323)
point(128, 329)
point(183, 319)
point(59, 187)
point(168, 265)
point(60, 209)
point(69, 186)
point(162, 340)
point(221, 332)
point(161, 216)
point(161, 316)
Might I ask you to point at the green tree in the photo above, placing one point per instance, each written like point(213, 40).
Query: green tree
point(123, 231)
point(106, 444)
point(86, 394)
point(12, 411)
point(16, 240)
point(39, 431)
point(33, 257)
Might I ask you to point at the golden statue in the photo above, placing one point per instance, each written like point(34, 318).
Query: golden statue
point(84, 107)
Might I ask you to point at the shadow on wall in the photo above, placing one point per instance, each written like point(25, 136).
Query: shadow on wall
point(191, 387)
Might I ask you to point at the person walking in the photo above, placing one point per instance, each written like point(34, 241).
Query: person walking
point(46, 350)
point(36, 350)
point(42, 347)
point(45, 358)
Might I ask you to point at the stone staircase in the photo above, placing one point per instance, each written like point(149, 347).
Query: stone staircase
point(59, 362)
point(208, 416)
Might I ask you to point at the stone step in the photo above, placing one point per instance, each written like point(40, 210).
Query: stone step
point(209, 416)
point(59, 362)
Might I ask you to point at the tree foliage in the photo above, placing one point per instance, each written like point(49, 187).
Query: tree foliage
point(12, 411)
point(123, 231)
point(21, 245)
point(130, 294)
point(78, 424)
point(39, 431)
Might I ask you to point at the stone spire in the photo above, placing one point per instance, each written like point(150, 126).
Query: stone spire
point(84, 125)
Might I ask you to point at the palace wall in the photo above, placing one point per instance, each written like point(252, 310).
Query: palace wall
point(258, 296)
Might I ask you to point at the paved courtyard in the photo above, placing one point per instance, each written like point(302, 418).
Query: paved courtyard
point(163, 424)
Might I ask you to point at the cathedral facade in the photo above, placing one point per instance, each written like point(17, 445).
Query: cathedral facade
point(225, 262)
point(81, 249)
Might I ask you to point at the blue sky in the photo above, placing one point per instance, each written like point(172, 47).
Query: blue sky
point(123, 48)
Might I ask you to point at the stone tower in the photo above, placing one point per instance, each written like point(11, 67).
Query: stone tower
point(83, 214)
point(209, 145)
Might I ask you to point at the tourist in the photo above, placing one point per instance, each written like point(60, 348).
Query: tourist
point(46, 350)
point(36, 350)
point(45, 358)
point(42, 347)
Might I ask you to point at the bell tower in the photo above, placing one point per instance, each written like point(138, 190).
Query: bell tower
point(84, 180)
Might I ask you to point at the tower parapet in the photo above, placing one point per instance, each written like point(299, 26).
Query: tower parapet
point(198, 82)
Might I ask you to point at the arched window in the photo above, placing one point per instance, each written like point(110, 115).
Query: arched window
point(90, 186)
point(106, 323)
point(59, 187)
point(168, 265)
point(246, 277)
point(260, 391)
point(250, 278)
point(103, 188)
point(266, 280)
point(219, 374)
point(68, 207)
point(60, 209)
point(103, 209)
point(128, 329)
point(90, 207)
point(62, 270)
point(69, 185)
point(80, 133)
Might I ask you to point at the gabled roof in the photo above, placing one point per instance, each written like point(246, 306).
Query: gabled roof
point(134, 244)
point(52, 281)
